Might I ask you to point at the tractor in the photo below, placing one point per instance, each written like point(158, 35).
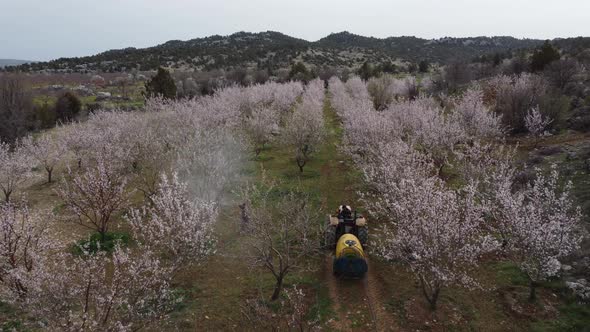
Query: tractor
point(347, 234)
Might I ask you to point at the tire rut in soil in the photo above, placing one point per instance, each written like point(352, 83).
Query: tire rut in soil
point(353, 299)
point(383, 321)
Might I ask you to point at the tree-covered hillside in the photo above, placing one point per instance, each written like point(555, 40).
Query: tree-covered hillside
point(272, 50)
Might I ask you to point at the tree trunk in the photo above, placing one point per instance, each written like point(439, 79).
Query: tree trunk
point(440, 169)
point(21, 289)
point(278, 288)
point(301, 161)
point(434, 299)
point(533, 291)
point(244, 217)
point(432, 296)
point(301, 164)
point(7, 196)
point(49, 173)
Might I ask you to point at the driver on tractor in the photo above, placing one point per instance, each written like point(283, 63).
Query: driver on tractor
point(344, 212)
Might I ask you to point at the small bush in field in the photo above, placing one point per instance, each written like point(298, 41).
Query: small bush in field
point(67, 107)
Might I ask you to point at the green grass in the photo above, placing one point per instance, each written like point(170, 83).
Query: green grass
point(59, 208)
point(327, 176)
point(508, 274)
point(571, 169)
point(12, 325)
point(396, 305)
point(322, 308)
point(573, 316)
point(133, 92)
point(182, 298)
point(95, 243)
point(88, 100)
point(580, 178)
point(8, 320)
point(42, 100)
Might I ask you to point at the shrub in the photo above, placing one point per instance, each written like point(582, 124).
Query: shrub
point(580, 120)
point(299, 72)
point(554, 107)
point(261, 76)
point(161, 85)
point(515, 96)
point(367, 71)
point(563, 72)
point(516, 66)
point(423, 66)
point(388, 67)
point(45, 116)
point(238, 76)
point(379, 89)
point(67, 107)
point(93, 107)
point(456, 74)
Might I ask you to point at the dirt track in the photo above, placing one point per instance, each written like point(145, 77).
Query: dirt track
point(358, 303)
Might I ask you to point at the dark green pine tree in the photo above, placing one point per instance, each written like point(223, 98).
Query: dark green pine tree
point(298, 70)
point(497, 59)
point(161, 85)
point(544, 56)
point(365, 71)
point(423, 66)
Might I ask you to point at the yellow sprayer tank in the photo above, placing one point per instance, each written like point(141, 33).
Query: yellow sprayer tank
point(350, 258)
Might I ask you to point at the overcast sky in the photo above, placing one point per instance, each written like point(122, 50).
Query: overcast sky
point(48, 29)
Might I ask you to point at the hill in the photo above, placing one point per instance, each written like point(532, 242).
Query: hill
point(276, 50)
point(440, 50)
point(12, 62)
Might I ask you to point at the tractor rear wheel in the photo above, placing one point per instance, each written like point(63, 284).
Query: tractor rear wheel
point(363, 235)
point(330, 237)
